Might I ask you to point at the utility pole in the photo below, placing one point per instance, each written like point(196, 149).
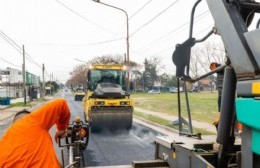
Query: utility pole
point(24, 80)
point(43, 80)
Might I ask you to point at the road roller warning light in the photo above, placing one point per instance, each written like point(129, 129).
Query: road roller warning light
point(107, 104)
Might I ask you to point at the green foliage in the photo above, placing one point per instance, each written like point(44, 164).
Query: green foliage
point(54, 86)
point(20, 104)
point(168, 80)
point(150, 74)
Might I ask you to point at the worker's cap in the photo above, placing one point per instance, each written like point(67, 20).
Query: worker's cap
point(77, 119)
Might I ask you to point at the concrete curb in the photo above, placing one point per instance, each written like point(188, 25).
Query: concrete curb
point(4, 107)
point(196, 124)
point(162, 127)
point(155, 124)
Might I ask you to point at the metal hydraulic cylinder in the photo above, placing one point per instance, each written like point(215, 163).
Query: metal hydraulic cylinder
point(227, 111)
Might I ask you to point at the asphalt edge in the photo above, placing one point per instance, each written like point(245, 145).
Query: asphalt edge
point(171, 130)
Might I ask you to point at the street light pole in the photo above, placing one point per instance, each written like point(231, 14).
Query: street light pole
point(127, 39)
point(24, 77)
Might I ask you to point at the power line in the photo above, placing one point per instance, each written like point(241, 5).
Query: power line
point(86, 44)
point(137, 30)
point(108, 41)
point(140, 9)
point(10, 63)
point(197, 18)
point(83, 17)
point(17, 47)
point(152, 18)
point(172, 48)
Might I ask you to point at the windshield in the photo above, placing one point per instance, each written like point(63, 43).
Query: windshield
point(105, 75)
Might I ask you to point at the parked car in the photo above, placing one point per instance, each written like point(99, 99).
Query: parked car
point(153, 91)
point(173, 90)
point(194, 90)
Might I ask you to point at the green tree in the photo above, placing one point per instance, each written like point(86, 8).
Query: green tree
point(151, 69)
point(168, 80)
point(147, 80)
point(54, 86)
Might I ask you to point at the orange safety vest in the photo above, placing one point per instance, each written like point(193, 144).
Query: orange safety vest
point(27, 143)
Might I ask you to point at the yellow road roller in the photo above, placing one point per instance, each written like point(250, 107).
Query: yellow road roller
point(107, 104)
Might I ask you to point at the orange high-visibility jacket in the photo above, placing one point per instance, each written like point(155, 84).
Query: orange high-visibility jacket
point(27, 143)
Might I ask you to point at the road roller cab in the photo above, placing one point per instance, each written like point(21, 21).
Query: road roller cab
point(107, 104)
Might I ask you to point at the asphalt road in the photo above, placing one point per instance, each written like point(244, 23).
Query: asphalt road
point(107, 148)
point(115, 148)
point(4, 126)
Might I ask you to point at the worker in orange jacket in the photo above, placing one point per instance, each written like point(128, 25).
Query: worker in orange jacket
point(27, 143)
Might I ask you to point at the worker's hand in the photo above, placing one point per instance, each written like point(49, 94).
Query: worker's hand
point(60, 134)
point(82, 133)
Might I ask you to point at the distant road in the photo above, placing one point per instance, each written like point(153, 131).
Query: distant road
point(121, 148)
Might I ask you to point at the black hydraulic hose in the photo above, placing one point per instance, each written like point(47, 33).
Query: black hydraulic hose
point(204, 38)
point(179, 106)
point(192, 17)
point(188, 108)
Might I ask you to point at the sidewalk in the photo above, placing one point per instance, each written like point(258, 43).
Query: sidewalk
point(7, 112)
point(197, 124)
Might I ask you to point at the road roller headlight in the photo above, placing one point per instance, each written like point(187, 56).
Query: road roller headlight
point(99, 103)
point(124, 103)
point(90, 66)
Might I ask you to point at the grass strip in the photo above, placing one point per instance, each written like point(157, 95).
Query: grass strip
point(28, 103)
point(20, 104)
point(203, 106)
point(167, 123)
